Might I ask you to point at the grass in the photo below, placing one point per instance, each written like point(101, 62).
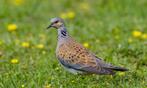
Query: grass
point(106, 25)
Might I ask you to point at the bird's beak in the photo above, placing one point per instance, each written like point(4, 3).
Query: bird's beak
point(49, 26)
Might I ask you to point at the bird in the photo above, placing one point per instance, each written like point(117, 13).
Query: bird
point(75, 58)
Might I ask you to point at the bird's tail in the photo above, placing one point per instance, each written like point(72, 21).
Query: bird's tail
point(111, 70)
point(115, 68)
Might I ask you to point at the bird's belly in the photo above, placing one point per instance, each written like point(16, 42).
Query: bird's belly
point(74, 71)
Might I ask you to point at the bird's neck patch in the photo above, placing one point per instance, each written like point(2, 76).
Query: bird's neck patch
point(62, 32)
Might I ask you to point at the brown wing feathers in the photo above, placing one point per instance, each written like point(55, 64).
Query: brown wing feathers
point(76, 53)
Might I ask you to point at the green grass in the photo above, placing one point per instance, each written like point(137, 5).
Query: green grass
point(106, 26)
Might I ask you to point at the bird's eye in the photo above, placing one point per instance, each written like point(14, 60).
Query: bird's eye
point(56, 22)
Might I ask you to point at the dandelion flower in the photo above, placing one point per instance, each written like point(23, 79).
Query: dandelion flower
point(22, 86)
point(84, 6)
point(14, 61)
point(17, 2)
point(70, 14)
point(86, 44)
point(25, 44)
point(63, 15)
point(40, 46)
point(144, 36)
point(12, 27)
point(137, 33)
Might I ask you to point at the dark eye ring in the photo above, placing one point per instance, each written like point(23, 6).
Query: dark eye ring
point(56, 21)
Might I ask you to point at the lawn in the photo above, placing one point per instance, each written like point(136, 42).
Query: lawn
point(115, 30)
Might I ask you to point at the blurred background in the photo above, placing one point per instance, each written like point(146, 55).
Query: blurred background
point(115, 30)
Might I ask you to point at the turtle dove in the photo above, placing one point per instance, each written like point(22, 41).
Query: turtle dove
point(74, 57)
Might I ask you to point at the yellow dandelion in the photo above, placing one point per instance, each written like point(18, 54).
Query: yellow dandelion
point(121, 73)
point(71, 14)
point(14, 61)
point(25, 44)
point(84, 6)
point(63, 15)
point(22, 86)
point(17, 2)
point(144, 36)
point(136, 33)
point(130, 40)
point(12, 27)
point(40, 46)
point(86, 44)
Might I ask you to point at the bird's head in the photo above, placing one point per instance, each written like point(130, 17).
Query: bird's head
point(56, 23)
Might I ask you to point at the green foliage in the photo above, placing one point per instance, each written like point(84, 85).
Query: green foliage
point(27, 53)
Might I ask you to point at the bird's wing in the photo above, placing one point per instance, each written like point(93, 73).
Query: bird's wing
point(73, 55)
